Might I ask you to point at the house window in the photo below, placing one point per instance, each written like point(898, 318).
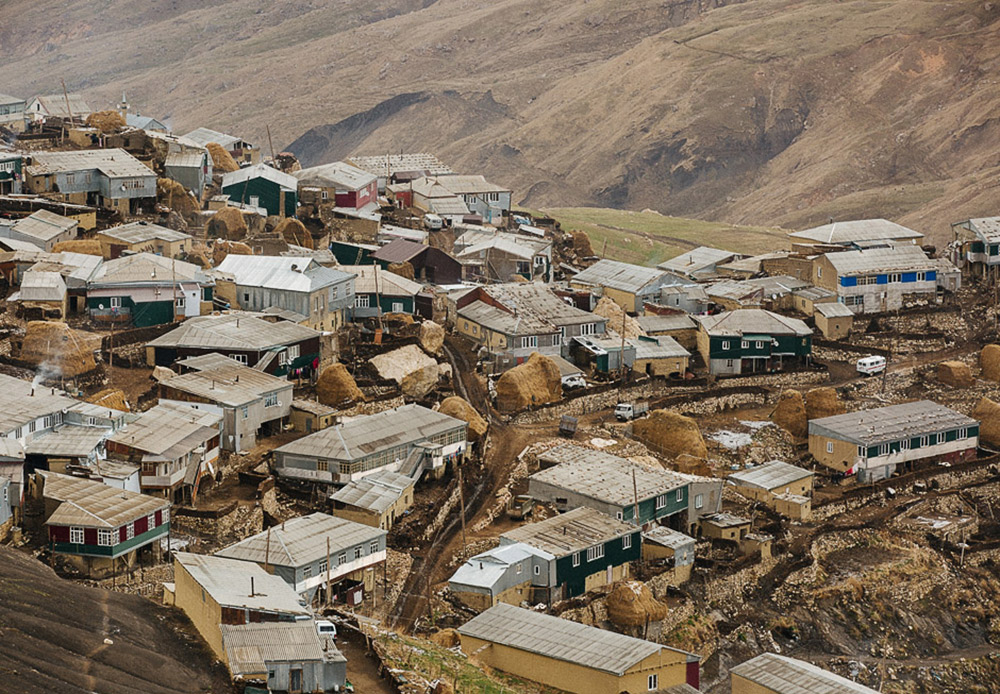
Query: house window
point(883, 449)
point(661, 501)
point(654, 683)
point(725, 344)
point(241, 358)
point(904, 445)
point(307, 571)
point(293, 352)
point(31, 427)
point(322, 466)
point(680, 494)
point(963, 433)
point(618, 515)
point(588, 328)
point(373, 547)
point(699, 500)
point(322, 566)
point(829, 446)
point(819, 272)
point(333, 292)
point(576, 558)
point(245, 411)
point(326, 195)
point(361, 301)
point(744, 345)
point(76, 536)
point(165, 515)
point(150, 521)
point(529, 341)
point(518, 568)
point(538, 569)
point(179, 302)
point(862, 451)
point(116, 302)
point(895, 277)
point(729, 363)
point(271, 400)
point(246, 298)
point(357, 552)
point(596, 552)
point(130, 531)
point(282, 358)
point(341, 559)
point(921, 276)
point(105, 538)
point(627, 542)
point(556, 340)
point(759, 344)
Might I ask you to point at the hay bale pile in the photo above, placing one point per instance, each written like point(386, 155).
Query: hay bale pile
point(106, 121)
point(61, 349)
point(988, 413)
point(459, 408)
point(294, 232)
point(84, 246)
point(581, 244)
point(606, 308)
point(431, 337)
point(227, 223)
point(535, 382)
point(111, 398)
point(989, 363)
point(222, 161)
point(414, 371)
point(336, 387)
point(956, 374)
point(446, 638)
point(671, 434)
point(403, 269)
point(631, 604)
point(175, 196)
point(823, 402)
point(790, 414)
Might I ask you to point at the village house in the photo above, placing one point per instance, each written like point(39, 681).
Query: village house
point(390, 232)
point(11, 173)
point(144, 289)
point(679, 326)
point(56, 105)
point(486, 200)
point(12, 114)
point(752, 340)
point(263, 186)
point(689, 298)
point(977, 240)
point(192, 168)
point(391, 168)
point(848, 234)
point(109, 178)
point(378, 292)
point(512, 574)
point(309, 416)
point(589, 549)
point(770, 673)
point(343, 185)
point(213, 591)
point(316, 553)
point(783, 487)
point(574, 476)
point(43, 296)
point(250, 402)
point(431, 265)
point(700, 264)
point(805, 300)
point(875, 443)
point(12, 473)
point(324, 295)
point(834, 320)
point(143, 237)
point(750, 267)
point(629, 286)
point(147, 123)
point(875, 280)
point(500, 257)
point(772, 293)
point(280, 348)
point(409, 439)
point(174, 445)
point(659, 356)
point(671, 547)
point(573, 657)
point(724, 526)
point(605, 355)
point(98, 528)
point(431, 195)
point(41, 228)
point(376, 500)
point(284, 656)
point(242, 151)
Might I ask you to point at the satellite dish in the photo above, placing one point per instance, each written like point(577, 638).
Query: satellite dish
point(100, 307)
point(123, 187)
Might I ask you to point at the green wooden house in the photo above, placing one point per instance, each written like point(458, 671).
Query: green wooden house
point(752, 340)
point(263, 186)
point(378, 291)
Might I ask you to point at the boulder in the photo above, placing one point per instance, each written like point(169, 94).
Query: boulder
point(989, 363)
point(671, 435)
point(162, 373)
point(988, 413)
point(823, 402)
point(459, 408)
point(956, 374)
point(414, 371)
point(790, 414)
point(431, 337)
point(535, 382)
point(336, 387)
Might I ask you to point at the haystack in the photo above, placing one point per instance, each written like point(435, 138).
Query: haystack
point(220, 249)
point(535, 382)
point(671, 434)
point(287, 162)
point(989, 363)
point(581, 244)
point(403, 269)
point(631, 604)
point(823, 402)
point(84, 246)
point(459, 408)
point(988, 413)
point(62, 350)
point(336, 387)
point(414, 371)
point(106, 121)
point(399, 320)
point(956, 374)
point(431, 337)
point(222, 161)
point(112, 398)
point(175, 196)
point(294, 232)
point(446, 638)
point(607, 308)
point(790, 414)
point(227, 223)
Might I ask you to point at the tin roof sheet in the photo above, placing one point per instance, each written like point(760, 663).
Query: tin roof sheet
point(229, 331)
point(987, 228)
point(388, 164)
point(286, 181)
point(69, 440)
point(891, 423)
point(616, 275)
point(654, 324)
point(752, 321)
point(113, 163)
point(55, 105)
point(229, 385)
point(204, 135)
point(486, 568)
point(857, 230)
point(667, 537)
point(91, 504)
point(833, 309)
point(169, 431)
point(147, 268)
point(569, 532)
point(904, 258)
point(42, 286)
point(251, 647)
point(335, 175)
point(140, 232)
point(293, 274)
point(228, 581)
point(784, 675)
point(539, 301)
point(375, 492)
point(44, 225)
point(371, 279)
point(770, 475)
point(698, 260)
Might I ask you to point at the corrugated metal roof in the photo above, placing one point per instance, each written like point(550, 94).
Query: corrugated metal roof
point(486, 568)
point(752, 321)
point(21, 402)
point(902, 258)
point(569, 532)
point(399, 251)
point(770, 475)
point(8, 100)
point(470, 185)
point(562, 639)
point(204, 135)
point(987, 228)
point(616, 275)
point(44, 225)
point(765, 287)
point(784, 675)
point(91, 504)
point(375, 492)
point(369, 279)
point(667, 537)
point(229, 385)
point(55, 105)
point(114, 163)
point(365, 435)
point(833, 309)
point(169, 431)
point(140, 232)
point(725, 520)
point(605, 477)
point(293, 274)
point(301, 541)
point(185, 160)
point(504, 322)
point(228, 331)
point(264, 171)
point(42, 286)
point(662, 347)
point(69, 440)
point(891, 423)
point(655, 324)
point(251, 647)
point(147, 268)
point(387, 164)
point(335, 175)
point(228, 581)
point(313, 407)
point(539, 301)
point(857, 230)
point(697, 260)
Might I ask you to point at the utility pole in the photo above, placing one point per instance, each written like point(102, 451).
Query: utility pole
point(328, 571)
point(69, 111)
point(461, 499)
point(635, 499)
point(270, 144)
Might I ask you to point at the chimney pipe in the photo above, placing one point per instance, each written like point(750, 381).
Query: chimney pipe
point(32, 391)
point(252, 591)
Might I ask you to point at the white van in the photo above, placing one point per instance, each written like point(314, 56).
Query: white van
point(433, 222)
point(871, 365)
point(326, 628)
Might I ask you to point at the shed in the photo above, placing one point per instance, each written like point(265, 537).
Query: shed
point(834, 320)
point(263, 186)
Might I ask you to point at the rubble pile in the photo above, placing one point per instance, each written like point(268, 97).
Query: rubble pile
point(535, 382)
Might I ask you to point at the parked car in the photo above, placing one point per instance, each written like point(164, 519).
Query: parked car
point(326, 628)
point(626, 411)
point(433, 222)
point(871, 365)
point(574, 381)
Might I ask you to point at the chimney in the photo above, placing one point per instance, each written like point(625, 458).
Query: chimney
point(252, 591)
point(32, 391)
point(53, 390)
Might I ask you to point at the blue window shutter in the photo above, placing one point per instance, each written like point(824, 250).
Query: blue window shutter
point(909, 277)
point(848, 281)
point(932, 276)
point(882, 279)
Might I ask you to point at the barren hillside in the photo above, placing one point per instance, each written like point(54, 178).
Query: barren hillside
point(766, 112)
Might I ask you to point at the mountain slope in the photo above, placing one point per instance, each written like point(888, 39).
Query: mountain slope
point(756, 112)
